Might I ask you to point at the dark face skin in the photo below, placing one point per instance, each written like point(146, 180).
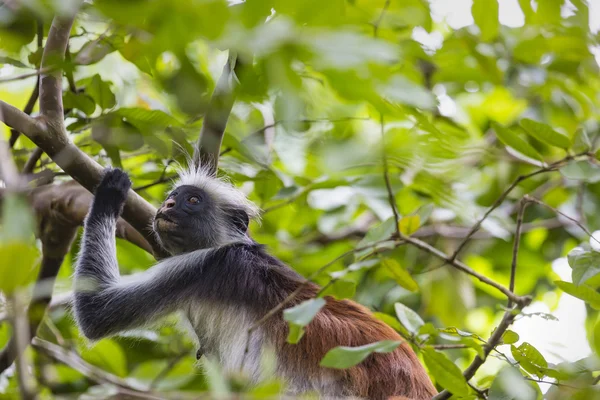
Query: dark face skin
point(189, 220)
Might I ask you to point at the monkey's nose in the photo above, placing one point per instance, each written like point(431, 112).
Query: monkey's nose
point(170, 203)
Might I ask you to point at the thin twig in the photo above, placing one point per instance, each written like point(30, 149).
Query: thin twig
point(513, 268)
point(495, 338)
point(386, 178)
point(94, 373)
point(551, 167)
point(510, 313)
point(462, 267)
point(573, 220)
point(38, 72)
point(32, 160)
point(380, 18)
point(162, 179)
point(449, 346)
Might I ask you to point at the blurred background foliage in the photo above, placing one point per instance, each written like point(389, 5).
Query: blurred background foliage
point(326, 88)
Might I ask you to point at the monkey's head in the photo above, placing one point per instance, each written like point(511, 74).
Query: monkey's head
point(202, 211)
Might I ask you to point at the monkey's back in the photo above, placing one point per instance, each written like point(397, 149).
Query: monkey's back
point(246, 273)
point(343, 323)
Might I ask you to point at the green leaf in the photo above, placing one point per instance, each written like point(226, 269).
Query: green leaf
point(510, 138)
point(408, 318)
point(410, 224)
point(143, 116)
point(106, 354)
point(401, 276)
point(296, 332)
point(545, 134)
point(95, 50)
point(100, 91)
point(583, 292)
point(530, 359)
point(585, 264)
point(510, 337)
point(509, 384)
point(451, 330)
point(445, 372)
point(18, 252)
point(581, 170)
point(485, 14)
point(342, 357)
point(596, 337)
point(379, 232)
point(304, 312)
point(80, 101)
point(341, 289)
point(404, 91)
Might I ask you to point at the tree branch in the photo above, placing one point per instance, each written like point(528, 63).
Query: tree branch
point(208, 145)
point(49, 134)
point(511, 312)
point(462, 267)
point(74, 361)
point(18, 120)
point(551, 167)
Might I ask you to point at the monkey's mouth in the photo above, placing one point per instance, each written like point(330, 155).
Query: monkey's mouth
point(163, 222)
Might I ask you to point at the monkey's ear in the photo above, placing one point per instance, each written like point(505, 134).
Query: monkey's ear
point(240, 219)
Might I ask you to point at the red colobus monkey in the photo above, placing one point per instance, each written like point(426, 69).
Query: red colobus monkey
point(224, 282)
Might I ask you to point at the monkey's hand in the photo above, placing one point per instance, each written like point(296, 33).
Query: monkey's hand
point(111, 193)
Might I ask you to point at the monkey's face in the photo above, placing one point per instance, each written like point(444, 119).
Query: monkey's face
point(181, 222)
point(190, 219)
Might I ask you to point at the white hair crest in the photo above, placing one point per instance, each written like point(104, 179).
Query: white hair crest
point(222, 191)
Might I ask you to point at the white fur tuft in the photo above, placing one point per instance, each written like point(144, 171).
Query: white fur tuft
point(222, 191)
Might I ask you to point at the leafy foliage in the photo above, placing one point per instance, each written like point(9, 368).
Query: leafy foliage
point(326, 88)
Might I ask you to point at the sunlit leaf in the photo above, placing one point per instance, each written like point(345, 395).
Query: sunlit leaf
point(544, 133)
point(80, 101)
point(581, 170)
point(341, 289)
point(304, 312)
point(408, 318)
point(345, 357)
point(510, 337)
point(410, 224)
point(401, 276)
point(485, 14)
point(509, 384)
point(583, 292)
point(510, 138)
point(585, 264)
point(445, 372)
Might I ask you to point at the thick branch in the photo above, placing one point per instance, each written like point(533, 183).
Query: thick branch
point(53, 57)
point(208, 146)
point(49, 133)
point(18, 120)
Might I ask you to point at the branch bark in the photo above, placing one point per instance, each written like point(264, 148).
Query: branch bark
point(208, 145)
point(48, 132)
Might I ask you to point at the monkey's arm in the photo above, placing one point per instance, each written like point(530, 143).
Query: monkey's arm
point(104, 304)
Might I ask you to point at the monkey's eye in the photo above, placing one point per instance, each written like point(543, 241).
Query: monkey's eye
point(194, 200)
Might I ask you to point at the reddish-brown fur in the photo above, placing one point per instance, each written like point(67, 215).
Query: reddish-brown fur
point(346, 323)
